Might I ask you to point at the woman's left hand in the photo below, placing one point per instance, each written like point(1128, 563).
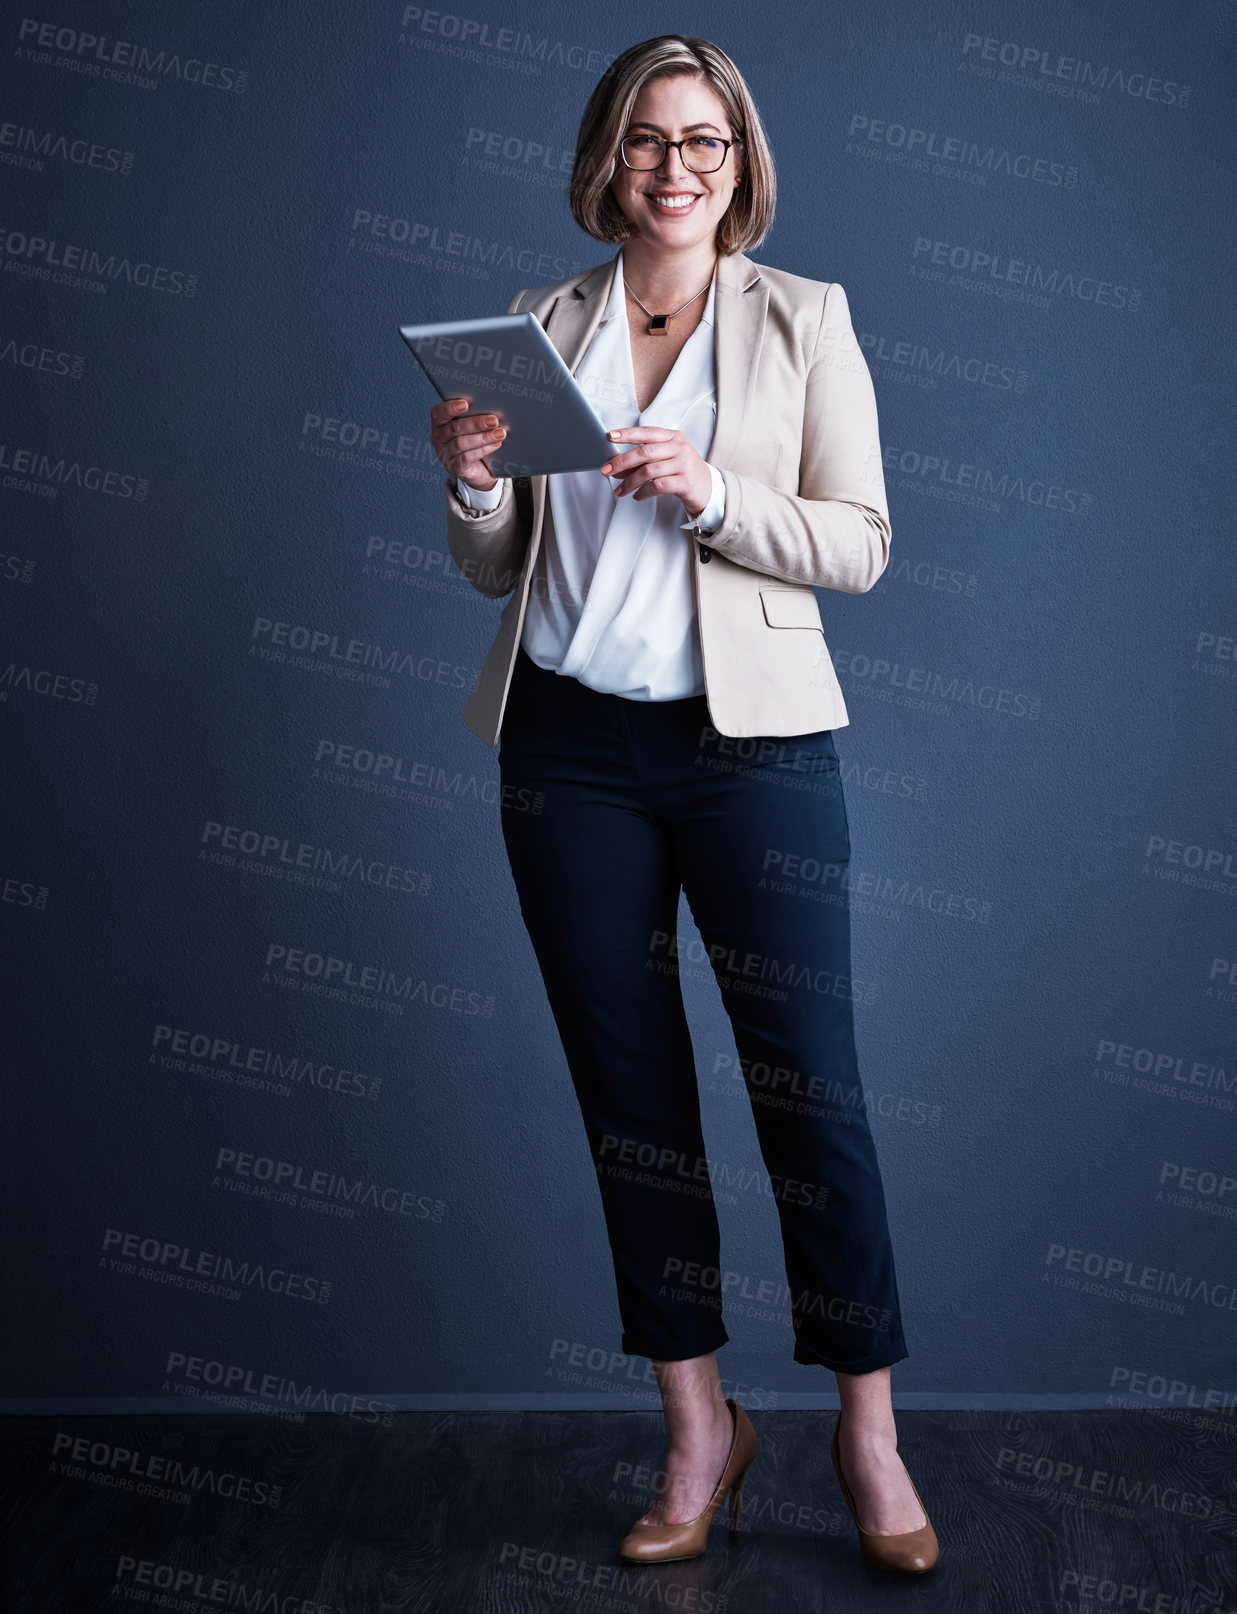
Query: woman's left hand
point(664, 462)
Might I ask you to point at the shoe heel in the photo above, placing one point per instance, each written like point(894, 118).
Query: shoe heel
point(736, 1501)
point(913, 1550)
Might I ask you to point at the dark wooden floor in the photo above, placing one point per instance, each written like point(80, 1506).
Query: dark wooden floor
point(1129, 1511)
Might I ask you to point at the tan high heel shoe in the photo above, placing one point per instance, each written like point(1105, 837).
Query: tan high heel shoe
point(656, 1543)
point(913, 1551)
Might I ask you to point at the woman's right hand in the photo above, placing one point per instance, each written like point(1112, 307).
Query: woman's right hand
point(460, 440)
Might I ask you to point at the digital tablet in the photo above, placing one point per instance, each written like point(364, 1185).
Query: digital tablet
point(507, 366)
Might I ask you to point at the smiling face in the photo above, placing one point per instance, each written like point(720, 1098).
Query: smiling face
point(677, 108)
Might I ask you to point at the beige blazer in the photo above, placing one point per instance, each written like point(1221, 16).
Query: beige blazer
point(797, 443)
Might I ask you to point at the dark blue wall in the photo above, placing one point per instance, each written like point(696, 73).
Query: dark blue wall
point(225, 593)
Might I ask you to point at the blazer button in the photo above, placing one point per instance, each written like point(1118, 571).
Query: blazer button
point(705, 552)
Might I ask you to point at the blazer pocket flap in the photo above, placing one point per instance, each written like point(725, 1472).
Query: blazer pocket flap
point(790, 608)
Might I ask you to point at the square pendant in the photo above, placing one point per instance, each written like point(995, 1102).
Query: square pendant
point(659, 323)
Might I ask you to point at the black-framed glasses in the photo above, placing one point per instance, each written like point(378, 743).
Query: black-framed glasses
point(699, 154)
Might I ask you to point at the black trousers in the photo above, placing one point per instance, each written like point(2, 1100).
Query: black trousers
point(610, 807)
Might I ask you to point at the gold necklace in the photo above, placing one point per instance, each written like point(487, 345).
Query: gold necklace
point(659, 324)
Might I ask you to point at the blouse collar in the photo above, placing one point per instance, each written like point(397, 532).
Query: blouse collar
point(617, 304)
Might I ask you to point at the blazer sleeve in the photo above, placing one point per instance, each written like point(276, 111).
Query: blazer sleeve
point(488, 546)
point(834, 533)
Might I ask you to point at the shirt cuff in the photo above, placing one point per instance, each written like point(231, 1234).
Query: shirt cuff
point(710, 518)
point(476, 499)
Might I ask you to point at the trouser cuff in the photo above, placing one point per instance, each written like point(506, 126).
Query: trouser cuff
point(885, 1354)
point(673, 1350)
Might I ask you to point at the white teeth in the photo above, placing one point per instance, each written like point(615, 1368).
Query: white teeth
point(685, 201)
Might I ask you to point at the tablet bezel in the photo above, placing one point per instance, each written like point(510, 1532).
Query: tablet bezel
point(573, 440)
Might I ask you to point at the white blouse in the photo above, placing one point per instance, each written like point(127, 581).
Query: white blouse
point(613, 604)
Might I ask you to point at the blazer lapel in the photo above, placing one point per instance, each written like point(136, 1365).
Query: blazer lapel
point(577, 313)
point(573, 319)
point(739, 310)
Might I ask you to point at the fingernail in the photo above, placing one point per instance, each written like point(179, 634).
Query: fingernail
point(612, 434)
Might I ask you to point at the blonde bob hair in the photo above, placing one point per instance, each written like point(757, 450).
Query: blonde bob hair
point(748, 218)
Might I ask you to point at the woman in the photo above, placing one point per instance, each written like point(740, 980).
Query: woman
point(665, 702)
